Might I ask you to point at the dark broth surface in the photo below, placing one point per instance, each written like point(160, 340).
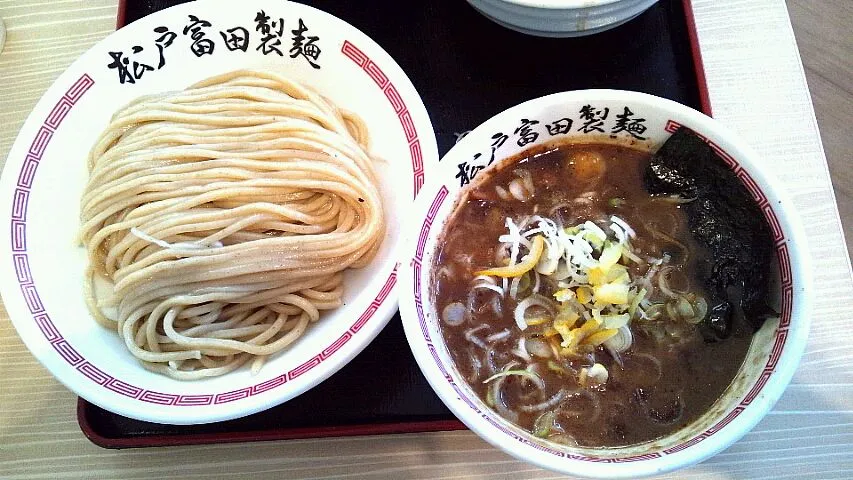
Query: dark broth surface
point(667, 378)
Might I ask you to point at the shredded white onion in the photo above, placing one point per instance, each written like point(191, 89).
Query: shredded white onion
point(622, 223)
point(513, 287)
point(515, 240)
point(620, 234)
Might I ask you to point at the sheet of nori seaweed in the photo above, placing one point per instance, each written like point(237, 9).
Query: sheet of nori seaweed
point(724, 219)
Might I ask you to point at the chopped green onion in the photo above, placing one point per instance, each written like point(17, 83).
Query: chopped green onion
point(490, 397)
point(543, 424)
point(615, 321)
point(654, 310)
point(521, 373)
point(616, 202)
point(636, 301)
point(610, 256)
point(555, 367)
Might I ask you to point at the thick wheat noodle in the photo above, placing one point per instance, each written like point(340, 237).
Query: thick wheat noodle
point(223, 217)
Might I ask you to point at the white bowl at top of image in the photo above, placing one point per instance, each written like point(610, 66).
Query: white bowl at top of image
point(775, 350)
point(42, 264)
point(561, 18)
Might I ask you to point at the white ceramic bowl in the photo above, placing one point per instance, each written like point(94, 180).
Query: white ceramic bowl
point(42, 265)
point(775, 350)
point(561, 18)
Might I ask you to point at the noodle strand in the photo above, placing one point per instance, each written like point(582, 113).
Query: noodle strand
point(222, 218)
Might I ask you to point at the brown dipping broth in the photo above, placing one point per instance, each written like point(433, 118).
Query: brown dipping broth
point(669, 376)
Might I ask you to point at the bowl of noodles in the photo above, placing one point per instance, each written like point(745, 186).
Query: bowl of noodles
point(606, 284)
point(203, 217)
point(561, 18)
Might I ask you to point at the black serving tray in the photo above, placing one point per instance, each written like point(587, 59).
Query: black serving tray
point(466, 68)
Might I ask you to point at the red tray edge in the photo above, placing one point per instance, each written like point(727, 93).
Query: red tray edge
point(121, 14)
point(263, 435)
point(698, 64)
point(347, 430)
